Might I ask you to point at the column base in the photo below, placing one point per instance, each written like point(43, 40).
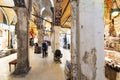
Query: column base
point(21, 72)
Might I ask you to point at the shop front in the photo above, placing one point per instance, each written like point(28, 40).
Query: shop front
point(7, 36)
point(112, 45)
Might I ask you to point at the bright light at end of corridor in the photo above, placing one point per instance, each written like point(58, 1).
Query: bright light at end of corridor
point(115, 14)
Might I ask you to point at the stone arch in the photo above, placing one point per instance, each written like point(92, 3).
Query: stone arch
point(47, 15)
point(52, 3)
point(42, 10)
point(5, 15)
point(46, 12)
point(46, 8)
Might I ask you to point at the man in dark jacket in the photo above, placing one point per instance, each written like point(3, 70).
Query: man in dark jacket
point(44, 49)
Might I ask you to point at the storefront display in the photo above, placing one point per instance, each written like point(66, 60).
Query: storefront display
point(112, 43)
point(112, 52)
point(112, 40)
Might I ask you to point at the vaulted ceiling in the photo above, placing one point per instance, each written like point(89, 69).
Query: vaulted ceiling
point(11, 17)
point(44, 7)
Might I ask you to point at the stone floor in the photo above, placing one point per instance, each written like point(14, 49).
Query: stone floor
point(41, 68)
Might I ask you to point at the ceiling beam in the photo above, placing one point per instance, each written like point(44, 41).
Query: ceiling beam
point(66, 20)
point(41, 18)
point(6, 6)
point(65, 7)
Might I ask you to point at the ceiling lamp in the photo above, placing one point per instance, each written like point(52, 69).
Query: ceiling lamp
point(115, 13)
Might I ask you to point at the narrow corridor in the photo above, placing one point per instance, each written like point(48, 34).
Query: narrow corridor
point(41, 68)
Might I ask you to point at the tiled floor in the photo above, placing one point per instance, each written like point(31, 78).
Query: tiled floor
point(41, 68)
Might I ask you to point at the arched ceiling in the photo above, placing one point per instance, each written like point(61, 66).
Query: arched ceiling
point(66, 11)
point(46, 4)
point(65, 5)
point(8, 12)
point(47, 13)
point(11, 16)
point(42, 8)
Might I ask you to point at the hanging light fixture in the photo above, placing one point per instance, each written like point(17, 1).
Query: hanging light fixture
point(115, 9)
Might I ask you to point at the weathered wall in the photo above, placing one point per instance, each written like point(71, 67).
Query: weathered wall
point(91, 49)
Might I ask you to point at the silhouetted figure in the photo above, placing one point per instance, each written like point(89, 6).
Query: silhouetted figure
point(44, 49)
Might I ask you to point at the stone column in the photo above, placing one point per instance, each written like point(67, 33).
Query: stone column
point(40, 30)
point(52, 41)
point(40, 36)
point(90, 47)
point(56, 38)
point(38, 20)
point(74, 54)
point(22, 41)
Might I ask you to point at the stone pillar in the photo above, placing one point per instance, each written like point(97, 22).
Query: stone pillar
point(56, 38)
point(40, 30)
point(38, 20)
point(74, 55)
point(22, 41)
point(40, 36)
point(52, 41)
point(90, 47)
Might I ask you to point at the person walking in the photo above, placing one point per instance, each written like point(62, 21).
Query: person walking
point(44, 49)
